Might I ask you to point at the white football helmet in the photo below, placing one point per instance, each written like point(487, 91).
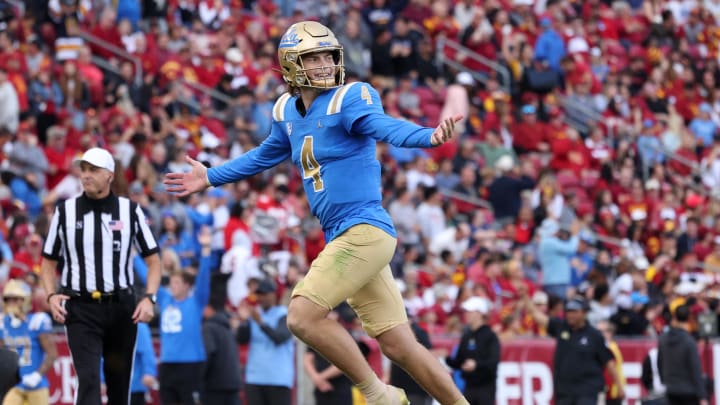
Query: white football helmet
point(304, 38)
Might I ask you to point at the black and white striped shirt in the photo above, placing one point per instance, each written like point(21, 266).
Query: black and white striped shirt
point(94, 239)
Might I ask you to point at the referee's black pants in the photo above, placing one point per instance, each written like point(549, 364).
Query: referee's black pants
point(105, 330)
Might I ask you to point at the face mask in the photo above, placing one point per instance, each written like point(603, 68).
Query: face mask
point(16, 314)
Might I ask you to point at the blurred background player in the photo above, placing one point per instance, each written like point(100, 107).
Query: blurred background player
point(28, 334)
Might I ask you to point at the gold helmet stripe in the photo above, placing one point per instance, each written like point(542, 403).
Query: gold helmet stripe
point(279, 108)
point(336, 101)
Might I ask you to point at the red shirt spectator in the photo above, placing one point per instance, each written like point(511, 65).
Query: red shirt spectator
point(178, 67)
point(570, 153)
point(209, 71)
point(27, 260)
point(11, 59)
point(524, 226)
point(106, 30)
point(530, 135)
point(60, 157)
point(92, 74)
point(486, 275)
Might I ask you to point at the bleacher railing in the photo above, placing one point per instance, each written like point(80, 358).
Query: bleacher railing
point(582, 117)
point(444, 43)
point(137, 63)
point(115, 50)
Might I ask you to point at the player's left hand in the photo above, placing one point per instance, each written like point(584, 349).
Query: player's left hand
point(32, 380)
point(445, 131)
point(144, 311)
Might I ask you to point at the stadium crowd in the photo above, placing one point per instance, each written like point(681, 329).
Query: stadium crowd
point(589, 161)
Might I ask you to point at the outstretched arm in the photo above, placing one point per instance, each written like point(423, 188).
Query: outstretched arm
point(275, 149)
point(404, 133)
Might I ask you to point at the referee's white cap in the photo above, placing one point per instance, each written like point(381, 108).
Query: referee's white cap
point(98, 157)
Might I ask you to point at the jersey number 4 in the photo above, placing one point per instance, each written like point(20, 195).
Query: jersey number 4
point(310, 165)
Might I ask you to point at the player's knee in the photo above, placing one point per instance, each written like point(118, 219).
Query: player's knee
point(303, 315)
point(297, 322)
point(396, 350)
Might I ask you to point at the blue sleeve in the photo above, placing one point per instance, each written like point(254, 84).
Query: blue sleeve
point(396, 132)
point(140, 268)
point(163, 295)
point(202, 282)
point(146, 351)
point(362, 113)
point(198, 219)
point(274, 150)
point(567, 247)
point(541, 47)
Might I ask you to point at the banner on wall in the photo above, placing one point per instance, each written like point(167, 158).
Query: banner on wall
point(524, 374)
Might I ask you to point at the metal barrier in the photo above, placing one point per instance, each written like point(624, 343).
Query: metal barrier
point(443, 43)
point(478, 202)
point(588, 116)
point(122, 53)
point(207, 90)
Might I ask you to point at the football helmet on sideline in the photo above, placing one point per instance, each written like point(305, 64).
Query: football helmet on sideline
point(304, 38)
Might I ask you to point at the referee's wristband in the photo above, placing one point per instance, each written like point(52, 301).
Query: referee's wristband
point(50, 296)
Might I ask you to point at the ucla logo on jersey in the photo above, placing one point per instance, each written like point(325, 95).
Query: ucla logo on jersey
point(288, 126)
point(290, 39)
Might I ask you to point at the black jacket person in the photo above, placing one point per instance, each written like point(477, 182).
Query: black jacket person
point(478, 353)
point(581, 355)
point(679, 362)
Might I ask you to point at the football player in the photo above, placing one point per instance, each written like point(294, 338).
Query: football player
point(329, 129)
point(28, 334)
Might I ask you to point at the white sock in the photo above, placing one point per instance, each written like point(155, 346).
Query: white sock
point(373, 389)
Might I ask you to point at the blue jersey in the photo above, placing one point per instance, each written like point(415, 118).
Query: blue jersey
point(145, 363)
point(23, 338)
point(333, 146)
point(181, 321)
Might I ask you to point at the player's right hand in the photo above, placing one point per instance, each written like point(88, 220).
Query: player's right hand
point(182, 184)
point(57, 307)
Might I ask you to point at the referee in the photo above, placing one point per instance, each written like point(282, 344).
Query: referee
point(93, 234)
